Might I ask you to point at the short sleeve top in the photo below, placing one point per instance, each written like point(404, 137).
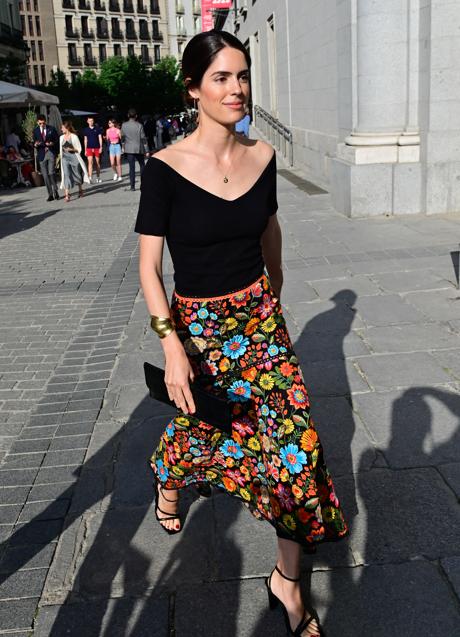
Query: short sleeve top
point(215, 243)
point(113, 134)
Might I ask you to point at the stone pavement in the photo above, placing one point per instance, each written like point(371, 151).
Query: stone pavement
point(374, 311)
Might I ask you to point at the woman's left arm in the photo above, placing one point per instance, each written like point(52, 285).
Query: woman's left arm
point(271, 250)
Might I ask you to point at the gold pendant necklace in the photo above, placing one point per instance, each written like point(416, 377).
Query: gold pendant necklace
point(225, 179)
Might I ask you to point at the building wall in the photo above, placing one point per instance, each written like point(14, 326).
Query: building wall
point(157, 46)
point(38, 30)
point(304, 94)
point(184, 21)
point(371, 92)
point(11, 41)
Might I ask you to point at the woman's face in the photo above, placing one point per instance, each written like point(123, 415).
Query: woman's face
point(64, 129)
point(111, 124)
point(224, 90)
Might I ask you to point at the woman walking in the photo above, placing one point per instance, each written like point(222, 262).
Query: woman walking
point(73, 169)
point(213, 197)
point(113, 135)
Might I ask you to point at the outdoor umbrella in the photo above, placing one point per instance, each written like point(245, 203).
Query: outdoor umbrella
point(16, 96)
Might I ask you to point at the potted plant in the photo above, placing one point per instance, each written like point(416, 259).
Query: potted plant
point(28, 124)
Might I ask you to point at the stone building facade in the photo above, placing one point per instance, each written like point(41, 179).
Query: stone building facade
point(11, 41)
point(37, 23)
point(371, 92)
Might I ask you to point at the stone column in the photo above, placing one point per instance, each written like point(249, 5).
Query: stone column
point(384, 128)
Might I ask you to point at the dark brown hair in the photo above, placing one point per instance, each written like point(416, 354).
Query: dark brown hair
point(200, 53)
point(68, 124)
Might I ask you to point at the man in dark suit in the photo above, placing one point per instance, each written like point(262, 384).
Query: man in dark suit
point(46, 142)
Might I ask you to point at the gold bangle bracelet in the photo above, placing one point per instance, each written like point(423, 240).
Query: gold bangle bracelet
point(162, 325)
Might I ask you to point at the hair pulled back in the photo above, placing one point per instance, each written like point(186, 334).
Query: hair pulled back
point(200, 53)
point(68, 124)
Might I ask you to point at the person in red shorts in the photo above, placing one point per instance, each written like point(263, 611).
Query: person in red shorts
point(93, 146)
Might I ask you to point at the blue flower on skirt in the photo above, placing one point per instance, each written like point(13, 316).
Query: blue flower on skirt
point(273, 350)
point(194, 451)
point(170, 429)
point(162, 471)
point(213, 315)
point(232, 449)
point(195, 329)
point(239, 391)
point(264, 410)
point(261, 467)
point(292, 458)
point(236, 346)
point(203, 313)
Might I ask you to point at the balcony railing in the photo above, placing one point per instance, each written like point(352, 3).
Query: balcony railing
point(144, 34)
point(181, 32)
point(99, 5)
point(131, 34)
point(157, 36)
point(72, 34)
point(103, 34)
point(90, 60)
point(141, 8)
point(117, 34)
point(147, 60)
point(114, 5)
point(102, 58)
point(128, 6)
point(154, 7)
point(84, 5)
point(68, 4)
point(9, 35)
point(179, 7)
point(75, 60)
point(88, 34)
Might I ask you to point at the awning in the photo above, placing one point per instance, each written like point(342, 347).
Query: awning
point(16, 96)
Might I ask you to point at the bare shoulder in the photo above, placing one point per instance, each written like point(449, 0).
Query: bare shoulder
point(174, 154)
point(259, 150)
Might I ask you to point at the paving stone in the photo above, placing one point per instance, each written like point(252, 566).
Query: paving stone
point(238, 608)
point(450, 362)
point(404, 338)
point(451, 566)
point(440, 305)
point(117, 617)
point(35, 532)
point(26, 557)
point(66, 458)
point(47, 510)
point(346, 598)
point(50, 475)
point(414, 427)
point(388, 371)
point(17, 477)
point(17, 613)
point(333, 378)
point(451, 473)
point(388, 501)
point(51, 491)
point(410, 281)
point(358, 285)
point(387, 310)
point(23, 584)
point(9, 513)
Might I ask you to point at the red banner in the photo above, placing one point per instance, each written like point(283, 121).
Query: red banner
point(207, 9)
point(207, 20)
point(222, 4)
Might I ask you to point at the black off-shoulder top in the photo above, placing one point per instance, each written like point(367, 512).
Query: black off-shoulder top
point(215, 243)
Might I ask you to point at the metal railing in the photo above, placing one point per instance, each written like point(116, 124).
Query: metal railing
point(278, 134)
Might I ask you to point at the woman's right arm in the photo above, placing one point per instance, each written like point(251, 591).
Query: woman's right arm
point(178, 371)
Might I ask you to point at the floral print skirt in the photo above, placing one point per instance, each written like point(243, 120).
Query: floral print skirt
point(273, 460)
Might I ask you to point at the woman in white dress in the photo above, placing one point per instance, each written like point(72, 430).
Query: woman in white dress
point(73, 169)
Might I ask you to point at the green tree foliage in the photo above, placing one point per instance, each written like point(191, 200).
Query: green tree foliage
point(122, 83)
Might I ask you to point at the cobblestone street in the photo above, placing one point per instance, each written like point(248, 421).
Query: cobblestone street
point(374, 311)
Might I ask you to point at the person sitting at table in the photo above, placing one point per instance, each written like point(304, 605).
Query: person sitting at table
point(13, 156)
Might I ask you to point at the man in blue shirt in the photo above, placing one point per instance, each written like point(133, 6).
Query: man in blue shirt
point(93, 146)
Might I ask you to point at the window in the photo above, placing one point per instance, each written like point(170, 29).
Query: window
point(88, 51)
point(272, 66)
point(23, 25)
point(84, 24)
point(197, 24)
point(131, 49)
point(180, 23)
point(68, 24)
point(43, 70)
point(36, 6)
point(21, 5)
point(38, 28)
point(74, 76)
point(36, 76)
point(33, 51)
point(145, 53)
point(72, 50)
point(40, 51)
point(155, 30)
point(31, 25)
point(117, 49)
point(28, 5)
point(156, 53)
point(102, 53)
point(180, 46)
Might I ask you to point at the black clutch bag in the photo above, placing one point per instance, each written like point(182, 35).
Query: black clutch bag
point(211, 408)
